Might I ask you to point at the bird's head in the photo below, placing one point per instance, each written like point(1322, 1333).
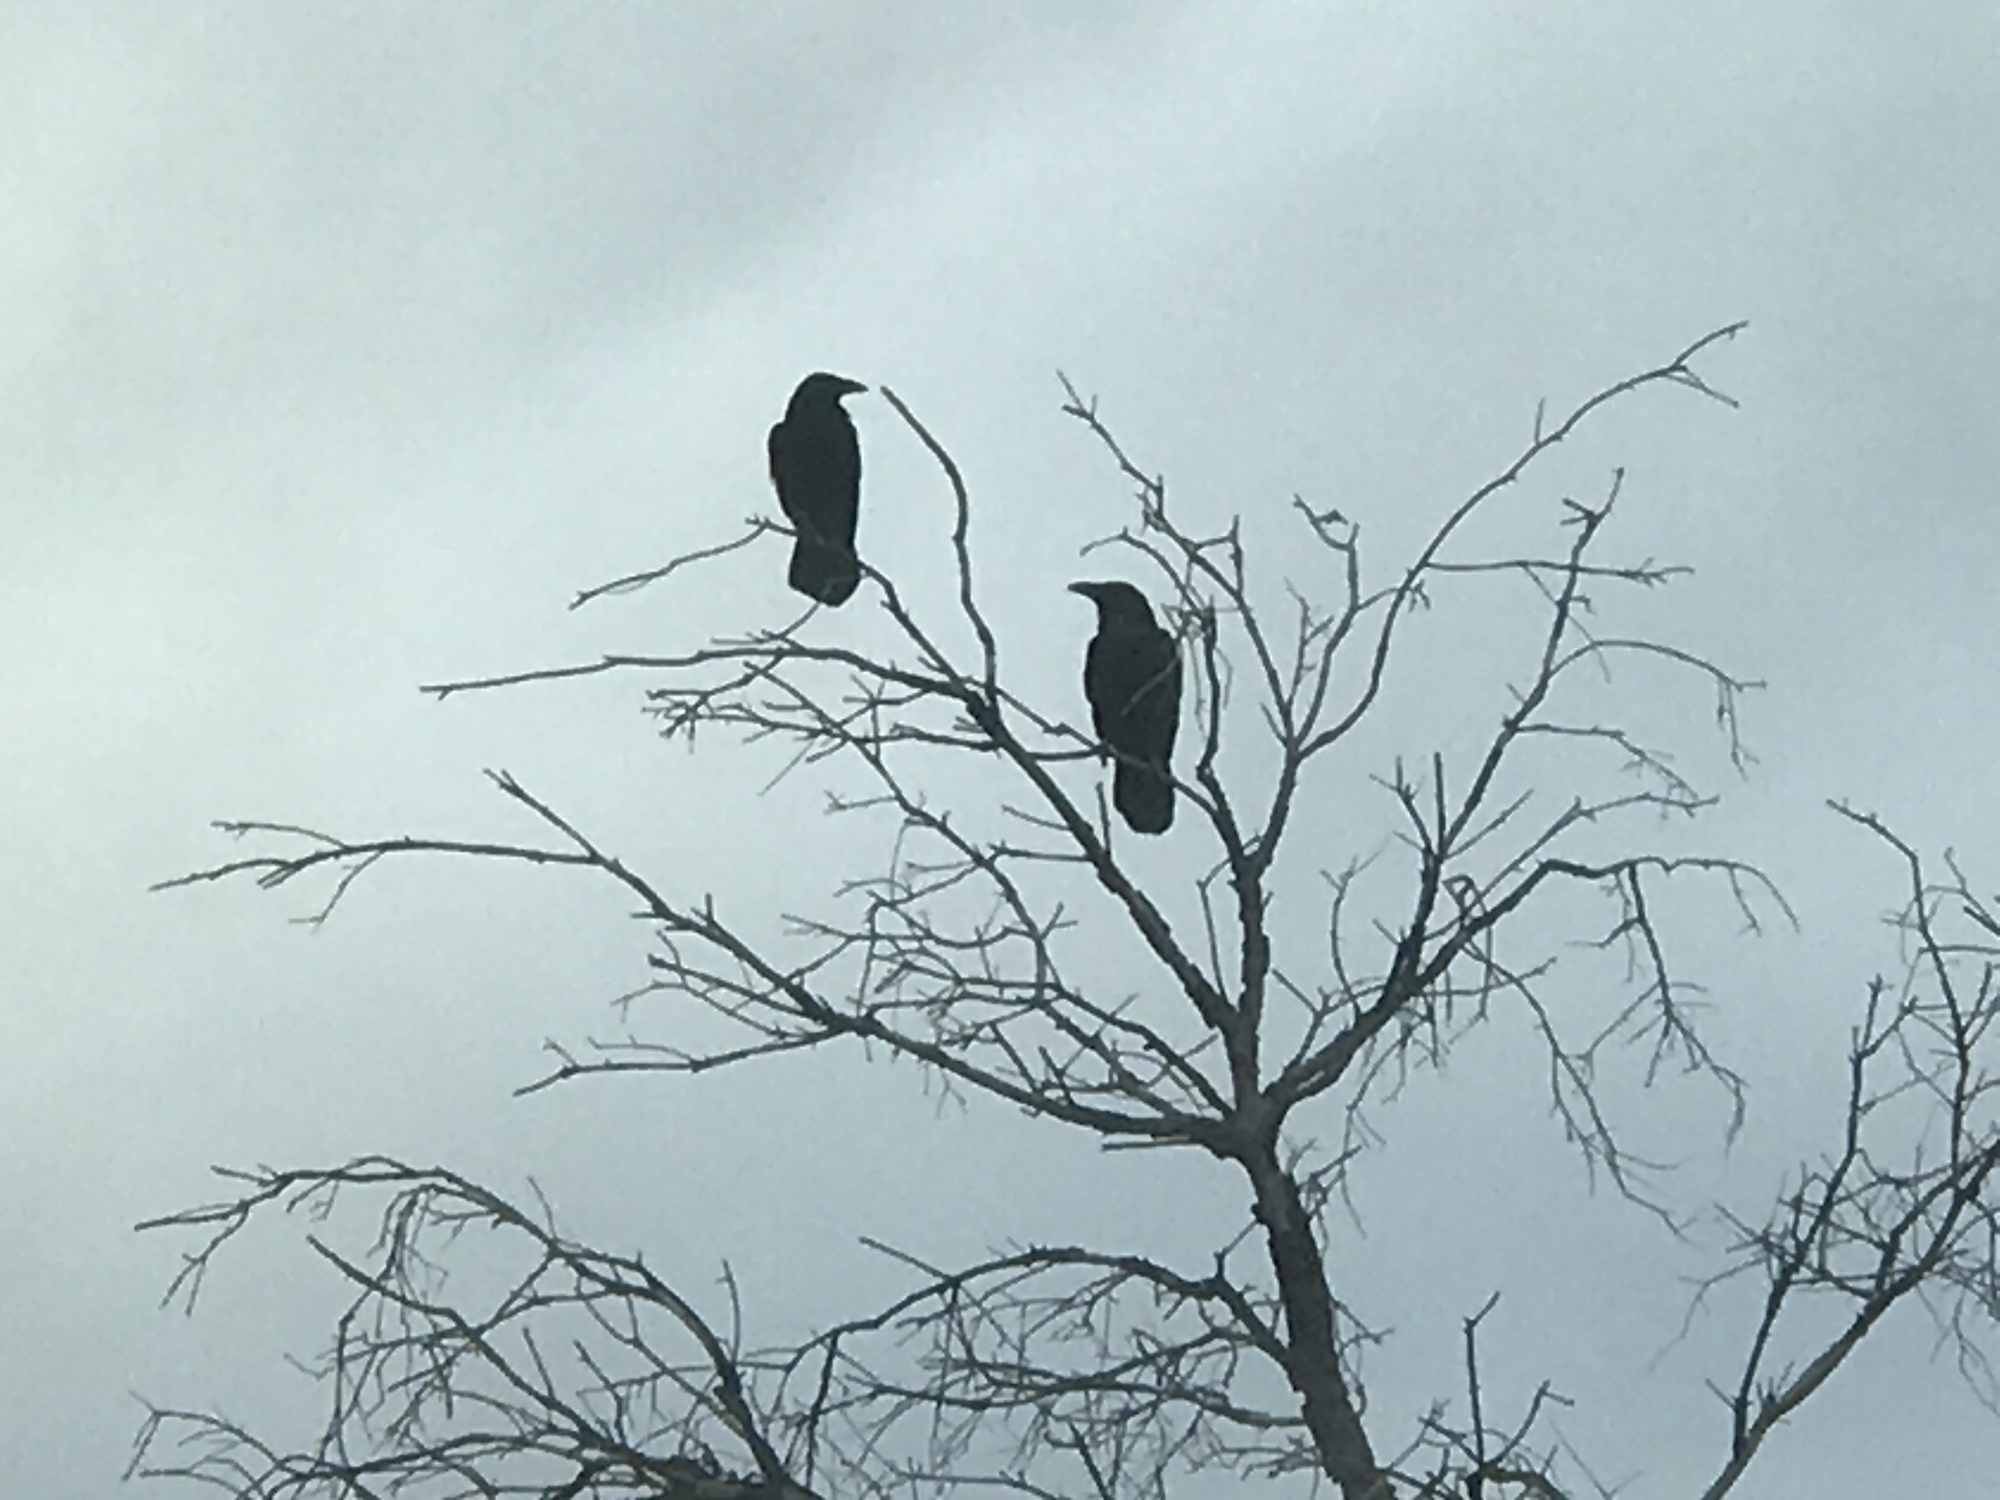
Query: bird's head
point(1118, 603)
point(820, 389)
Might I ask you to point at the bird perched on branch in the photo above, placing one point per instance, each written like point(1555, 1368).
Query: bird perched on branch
point(816, 470)
point(1132, 677)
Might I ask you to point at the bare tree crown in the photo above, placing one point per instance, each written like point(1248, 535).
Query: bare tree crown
point(1079, 1370)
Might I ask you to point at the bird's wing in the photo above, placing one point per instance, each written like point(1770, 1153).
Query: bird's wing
point(816, 470)
point(1100, 684)
point(1133, 681)
point(1150, 688)
point(780, 449)
point(1163, 718)
point(840, 506)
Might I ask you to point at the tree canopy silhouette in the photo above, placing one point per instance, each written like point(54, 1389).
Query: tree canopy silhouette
point(1099, 1370)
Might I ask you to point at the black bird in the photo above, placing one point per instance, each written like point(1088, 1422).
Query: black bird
point(816, 470)
point(1132, 677)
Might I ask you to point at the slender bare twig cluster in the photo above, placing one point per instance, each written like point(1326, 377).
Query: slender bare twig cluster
point(1904, 1208)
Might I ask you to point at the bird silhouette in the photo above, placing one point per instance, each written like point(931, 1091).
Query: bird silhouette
point(816, 470)
point(1132, 679)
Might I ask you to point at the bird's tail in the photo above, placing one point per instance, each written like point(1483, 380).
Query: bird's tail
point(1145, 795)
point(824, 572)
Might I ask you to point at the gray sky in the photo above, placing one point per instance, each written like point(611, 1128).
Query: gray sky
point(344, 342)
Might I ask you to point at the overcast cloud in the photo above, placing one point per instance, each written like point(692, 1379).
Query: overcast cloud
point(343, 343)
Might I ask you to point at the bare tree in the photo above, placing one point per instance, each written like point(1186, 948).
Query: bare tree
point(1101, 1371)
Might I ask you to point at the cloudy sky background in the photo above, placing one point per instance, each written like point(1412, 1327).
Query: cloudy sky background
point(344, 343)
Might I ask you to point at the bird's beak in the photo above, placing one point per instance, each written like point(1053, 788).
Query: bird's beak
point(851, 387)
point(1088, 590)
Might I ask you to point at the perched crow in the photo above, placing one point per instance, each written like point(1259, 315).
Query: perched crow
point(1132, 677)
point(816, 470)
